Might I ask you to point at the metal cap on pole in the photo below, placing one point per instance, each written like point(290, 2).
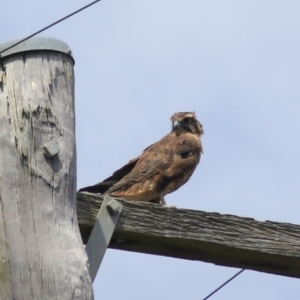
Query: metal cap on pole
point(36, 43)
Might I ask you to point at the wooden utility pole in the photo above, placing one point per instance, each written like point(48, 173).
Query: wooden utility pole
point(225, 240)
point(41, 251)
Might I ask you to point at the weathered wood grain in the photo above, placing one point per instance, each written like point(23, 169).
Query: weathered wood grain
point(42, 256)
point(196, 235)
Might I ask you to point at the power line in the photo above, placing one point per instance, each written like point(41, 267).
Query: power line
point(237, 274)
point(43, 29)
point(60, 20)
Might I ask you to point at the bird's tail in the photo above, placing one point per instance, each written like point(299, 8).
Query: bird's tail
point(99, 188)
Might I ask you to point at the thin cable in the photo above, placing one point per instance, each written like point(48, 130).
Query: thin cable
point(237, 274)
point(60, 20)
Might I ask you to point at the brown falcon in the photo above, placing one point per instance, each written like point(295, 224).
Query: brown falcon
point(162, 168)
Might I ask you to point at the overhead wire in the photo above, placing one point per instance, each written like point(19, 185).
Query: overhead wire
point(237, 274)
point(43, 29)
point(60, 20)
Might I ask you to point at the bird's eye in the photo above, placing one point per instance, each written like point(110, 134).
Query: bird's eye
point(186, 120)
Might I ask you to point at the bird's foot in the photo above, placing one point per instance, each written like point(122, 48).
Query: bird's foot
point(162, 200)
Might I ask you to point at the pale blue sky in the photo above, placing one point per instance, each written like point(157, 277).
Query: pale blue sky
point(237, 64)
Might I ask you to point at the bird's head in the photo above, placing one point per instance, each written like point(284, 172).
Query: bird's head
point(186, 122)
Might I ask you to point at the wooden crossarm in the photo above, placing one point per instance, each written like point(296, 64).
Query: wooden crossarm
point(225, 240)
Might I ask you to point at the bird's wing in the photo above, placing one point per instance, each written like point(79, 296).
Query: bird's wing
point(168, 162)
point(103, 186)
point(133, 183)
point(187, 156)
point(162, 168)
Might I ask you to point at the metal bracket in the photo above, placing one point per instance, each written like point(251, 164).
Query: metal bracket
point(102, 232)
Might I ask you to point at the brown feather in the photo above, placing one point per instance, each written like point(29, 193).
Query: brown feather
point(162, 168)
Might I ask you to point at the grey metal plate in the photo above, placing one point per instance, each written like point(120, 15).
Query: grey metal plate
point(102, 232)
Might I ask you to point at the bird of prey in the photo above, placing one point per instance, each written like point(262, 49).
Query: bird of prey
point(162, 168)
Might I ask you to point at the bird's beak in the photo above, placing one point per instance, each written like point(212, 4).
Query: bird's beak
point(176, 124)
